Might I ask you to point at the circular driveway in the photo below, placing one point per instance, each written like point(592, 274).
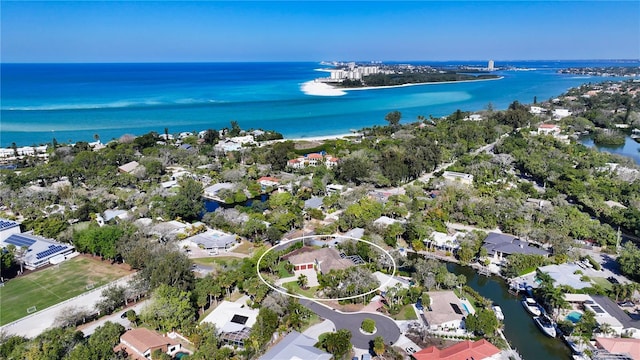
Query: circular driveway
point(386, 327)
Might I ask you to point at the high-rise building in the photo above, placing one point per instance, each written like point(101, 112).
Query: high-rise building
point(490, 65)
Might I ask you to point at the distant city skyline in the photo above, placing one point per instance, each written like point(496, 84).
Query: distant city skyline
point(146, 31)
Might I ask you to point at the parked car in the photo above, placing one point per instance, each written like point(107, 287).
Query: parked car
point(613, 280)
point(410, 350)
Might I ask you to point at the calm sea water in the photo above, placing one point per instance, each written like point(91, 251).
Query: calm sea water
point(74, 102)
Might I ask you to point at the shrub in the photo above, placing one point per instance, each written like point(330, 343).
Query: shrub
point(594, 263)
point(368, 325)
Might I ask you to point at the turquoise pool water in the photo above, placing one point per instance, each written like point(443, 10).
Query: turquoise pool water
point(180, 355)
point(465, 308)
point(574, 316)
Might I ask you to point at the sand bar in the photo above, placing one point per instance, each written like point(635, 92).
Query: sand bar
point(323, 89)
point(316, 88)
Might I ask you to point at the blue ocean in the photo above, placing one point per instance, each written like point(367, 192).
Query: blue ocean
point(75, 102)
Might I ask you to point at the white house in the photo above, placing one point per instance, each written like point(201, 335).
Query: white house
point(453, 176)
point(8, 228)
point(447, 311)
point(548, 129)
point(444, 241)
point(233, 321)
point(537, 110)
point(473, 117)
point(561, 113)
point(211, 192)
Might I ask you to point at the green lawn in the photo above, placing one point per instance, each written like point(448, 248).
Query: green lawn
point(222, 260)
point(293, 287)
point(602, 282)
point(282, 272)
point(50, 286)
point(406, 313)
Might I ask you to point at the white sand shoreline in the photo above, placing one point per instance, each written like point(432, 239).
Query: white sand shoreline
point(322, 137)
point(317, 88)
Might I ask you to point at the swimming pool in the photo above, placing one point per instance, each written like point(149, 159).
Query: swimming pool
point(180, 355)
point(574, 316)
point(466, 308)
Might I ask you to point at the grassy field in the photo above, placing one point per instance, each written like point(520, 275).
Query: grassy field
point(221, 260)
point(294, 288)
point(50, 286)
point(406, 313)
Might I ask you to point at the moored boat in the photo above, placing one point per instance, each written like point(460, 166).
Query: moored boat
point(531, 306)
point(498, 310)
point(546, 325)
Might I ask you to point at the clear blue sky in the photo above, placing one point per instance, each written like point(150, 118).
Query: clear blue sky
point(111, 31)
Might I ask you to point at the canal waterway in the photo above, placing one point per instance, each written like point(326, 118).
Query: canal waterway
point(631, 148)
point(519, 328)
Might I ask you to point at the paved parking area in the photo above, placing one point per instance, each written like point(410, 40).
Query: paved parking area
point(386, 327)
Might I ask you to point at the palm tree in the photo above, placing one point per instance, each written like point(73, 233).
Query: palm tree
point(302, 281)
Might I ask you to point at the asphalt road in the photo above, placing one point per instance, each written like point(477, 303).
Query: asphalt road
point(385, 326)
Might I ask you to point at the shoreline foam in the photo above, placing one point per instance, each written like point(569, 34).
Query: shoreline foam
point(316, 88)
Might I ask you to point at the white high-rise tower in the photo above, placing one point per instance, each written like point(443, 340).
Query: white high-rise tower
point(490, 65)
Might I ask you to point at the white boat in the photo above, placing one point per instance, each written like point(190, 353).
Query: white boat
point(531, 306)
point(498, 310)
point(545, 324)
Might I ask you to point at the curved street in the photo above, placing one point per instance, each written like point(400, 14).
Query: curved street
point(386, 327)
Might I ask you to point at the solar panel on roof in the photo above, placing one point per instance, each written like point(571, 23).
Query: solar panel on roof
point(239, 319)
point(597, 309)
point(456, 309)
point(19, 240)
point(7, 224)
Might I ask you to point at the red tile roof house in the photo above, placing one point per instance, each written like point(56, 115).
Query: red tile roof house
point(296, 163)
point(140, 343)
point(324, 259)
point(630, 347)
point(268, 181)
point(478, 350)
point(314, 158)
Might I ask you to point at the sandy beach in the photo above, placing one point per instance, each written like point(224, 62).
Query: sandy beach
point(323, 89)
point(325, 137)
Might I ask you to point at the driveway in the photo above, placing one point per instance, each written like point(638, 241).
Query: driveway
point(386, 327)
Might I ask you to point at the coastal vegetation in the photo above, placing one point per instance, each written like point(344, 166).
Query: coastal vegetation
point(396, 79)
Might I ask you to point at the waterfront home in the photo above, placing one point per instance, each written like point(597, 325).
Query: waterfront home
point(456, 177)
point(617, 348)
point(268, 182)
point(212, 191)
point(500, 246)
point(607, 312)
point(447, 311)
point(473, 117)
point(140, 343)
point(323, 260)
point(548, 129)
point(296, 346)
point(477, 350)
point(233, 321)
point(388, 281)
point(443, 241)
point(570, 274)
